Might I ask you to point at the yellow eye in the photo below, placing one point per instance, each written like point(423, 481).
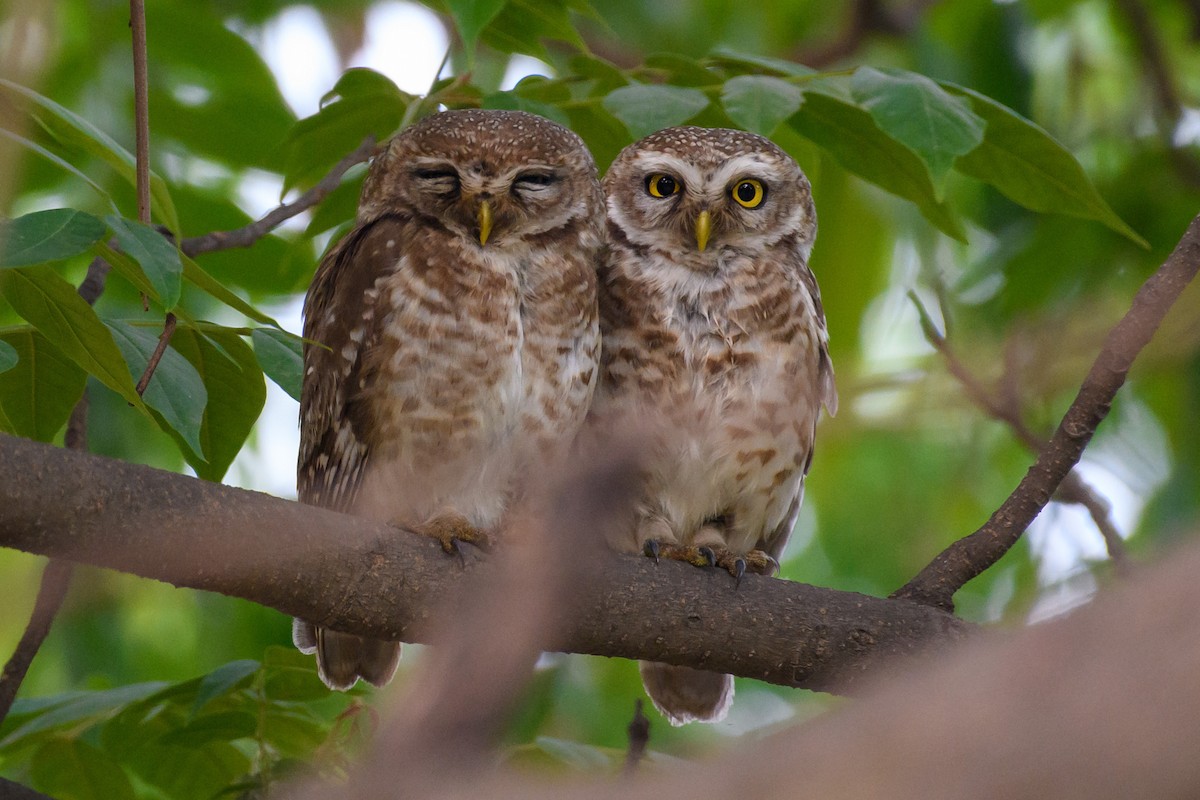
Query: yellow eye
point(661, 185)
point(749, 193)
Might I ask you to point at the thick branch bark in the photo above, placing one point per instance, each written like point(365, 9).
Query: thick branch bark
point(350, 574)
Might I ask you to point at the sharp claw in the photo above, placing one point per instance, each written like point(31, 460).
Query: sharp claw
point(650, 548)
point(708, 555)
point(739, 569)
point(452, 547)
point(773, 566)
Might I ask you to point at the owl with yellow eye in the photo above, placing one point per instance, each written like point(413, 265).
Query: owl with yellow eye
point(715, 348)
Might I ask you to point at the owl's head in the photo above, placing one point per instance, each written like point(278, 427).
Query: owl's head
point(691, 193)
point(492, 177)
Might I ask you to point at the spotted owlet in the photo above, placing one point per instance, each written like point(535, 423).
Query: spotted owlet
point(453, 339)
point(714, 343)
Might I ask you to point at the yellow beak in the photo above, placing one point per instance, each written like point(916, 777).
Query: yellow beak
point(485, 221)
point(703, 229)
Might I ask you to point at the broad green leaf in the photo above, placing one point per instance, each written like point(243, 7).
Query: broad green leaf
point(86, 707)
point(69, 127)
point(61, 163)
point(1026, 165)
point(645, 109)
point(917, 112)
point(222, 680)
point(683, 71)
point(175, 390)
point(39, 387)
point(362, 103)
point(750, 62)
point(472, 16)
point(44, 236)
point(190, 772)
point(158, 257)
point(72, 769)
point(281, 355)
point(196, 275)
point(293, 733)
point(850, 135)
point(236, 393)
point(291, 675)
point(523, 25)
point(53, 306)
point(224, 726)
point(8, 358)
point(515, 102)
point(759, 103)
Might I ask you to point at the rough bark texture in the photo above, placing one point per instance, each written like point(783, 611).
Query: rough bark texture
point(353, 575)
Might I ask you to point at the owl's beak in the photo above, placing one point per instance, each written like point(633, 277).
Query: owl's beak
point(703, 230)
point(485, 221)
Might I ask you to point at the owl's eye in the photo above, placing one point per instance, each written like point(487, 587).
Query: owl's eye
point(749, 193)
point(534, 180)
point(662, 185)
point(436, 174)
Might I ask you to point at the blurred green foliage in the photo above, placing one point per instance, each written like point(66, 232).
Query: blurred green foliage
point(1004, 161)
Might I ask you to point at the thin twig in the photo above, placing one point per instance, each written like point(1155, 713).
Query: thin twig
point(1074, 489)
point(141, 106)
point(639, 737)
point(1166, 88)
point(164, 339)
point(960, 562)
point(55, 580)
point(249, 234)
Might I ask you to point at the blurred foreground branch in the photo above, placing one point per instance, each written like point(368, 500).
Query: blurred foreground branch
point(346, 573)
point(1098, 705)
point(971, 555)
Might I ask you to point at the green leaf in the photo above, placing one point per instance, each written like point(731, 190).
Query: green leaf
point(60, 162)
point(196, 275)
point(44, 236)
point(759, 103)
point(224, 726)
point(70, 128)
point(522, 25)
point(281, 355)
point(53, 306)
point(294, 734)
point(158, 257)
point(917, 112)
point(39, 387)
point(191, 772)
point(236, 393)
point(291, 675)
point(175, 390)
point(8, 358)
point(645, 109)
point(362, 103)
point(1027, 166)
point(72, 769)
point(750, 62)
point(850, 135)
point(472, 16)
point(86, 707)
point(222, 680)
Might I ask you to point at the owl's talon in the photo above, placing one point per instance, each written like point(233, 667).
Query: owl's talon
point(739, 569)
point(651, 549)
point(708, 555)
point(451, 530)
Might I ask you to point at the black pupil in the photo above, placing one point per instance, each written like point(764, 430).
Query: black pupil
point(537, 179)
point(746, 192)
point(665, 185)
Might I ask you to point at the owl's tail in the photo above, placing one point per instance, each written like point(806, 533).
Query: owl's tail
point(343, 658)
point(686, 695)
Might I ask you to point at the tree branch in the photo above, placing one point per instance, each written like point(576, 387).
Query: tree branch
point(1097, 705)
point(249, 234)
point(350, 574)
point(960, 562)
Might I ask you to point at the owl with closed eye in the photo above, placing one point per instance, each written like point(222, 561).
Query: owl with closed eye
point(451, 340)
point(715, 348)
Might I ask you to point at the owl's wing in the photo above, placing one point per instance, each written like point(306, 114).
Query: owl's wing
point(825, 384)
point(339, 324)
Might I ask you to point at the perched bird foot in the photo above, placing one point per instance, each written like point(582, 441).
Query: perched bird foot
point(450, 529)
point(696, 556)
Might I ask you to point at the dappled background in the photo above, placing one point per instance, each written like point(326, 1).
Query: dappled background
point(909, 464)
